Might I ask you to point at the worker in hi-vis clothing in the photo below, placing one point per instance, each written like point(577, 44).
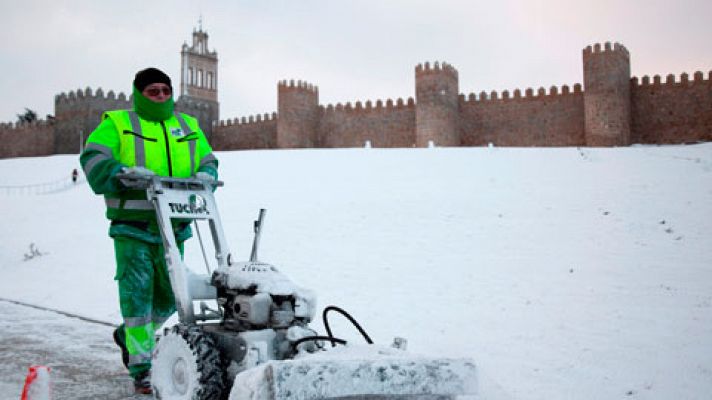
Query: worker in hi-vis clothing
point(151, 139)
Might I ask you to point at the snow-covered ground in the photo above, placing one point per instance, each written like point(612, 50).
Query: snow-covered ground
point(83, 360)
point(565, 273)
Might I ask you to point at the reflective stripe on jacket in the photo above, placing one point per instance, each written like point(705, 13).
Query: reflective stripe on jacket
point(174, 147)
point(167, 148)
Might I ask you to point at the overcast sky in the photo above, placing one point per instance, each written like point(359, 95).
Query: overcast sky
point(352, 50)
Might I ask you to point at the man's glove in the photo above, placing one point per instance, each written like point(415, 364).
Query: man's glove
point(138, 172)
point(204, 176)
point(207, 178)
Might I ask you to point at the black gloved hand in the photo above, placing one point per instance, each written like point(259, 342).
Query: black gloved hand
point(138, 172)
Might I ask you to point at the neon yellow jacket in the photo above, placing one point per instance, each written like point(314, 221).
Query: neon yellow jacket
point(173, 147)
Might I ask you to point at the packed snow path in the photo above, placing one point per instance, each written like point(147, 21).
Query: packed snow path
point(85, 364)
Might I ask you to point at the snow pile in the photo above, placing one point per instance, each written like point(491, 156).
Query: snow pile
point(258, 276)
point(356, 371)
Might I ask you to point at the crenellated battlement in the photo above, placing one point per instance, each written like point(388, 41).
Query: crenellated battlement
point(516, 94)
point(78, 112)
point(671, 109)
point(298, 85)
point(298, 109)
point(671, 79)
point(609, 108)
point(28, 139)
point(606, 48)
point(369, 106)
point(25, 126)
point(252, 119)
point(87, 94)
point(437, 108)
point(436, 68)
point(606, 78)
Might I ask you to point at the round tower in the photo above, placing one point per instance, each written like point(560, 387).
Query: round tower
point(606, 79)
point(437, 108)
point(298, 114)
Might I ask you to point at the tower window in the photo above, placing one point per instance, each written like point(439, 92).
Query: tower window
point(211, 84)
point(191, 77)
point(200, 82)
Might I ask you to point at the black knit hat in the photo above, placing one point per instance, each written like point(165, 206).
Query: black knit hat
point(148, 76)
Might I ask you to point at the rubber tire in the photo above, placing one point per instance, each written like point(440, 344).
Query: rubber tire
point(191, 352)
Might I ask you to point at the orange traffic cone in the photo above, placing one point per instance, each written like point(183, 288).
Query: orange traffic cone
point(38, 385)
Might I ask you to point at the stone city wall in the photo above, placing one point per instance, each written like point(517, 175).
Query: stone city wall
point(27, 139)
point(674, 111)
point(383, 124)
point(553, 118)
point(254, 132)
point(610, 109)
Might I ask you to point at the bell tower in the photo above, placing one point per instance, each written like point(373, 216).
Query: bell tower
point(199, 68)
point(199, 80)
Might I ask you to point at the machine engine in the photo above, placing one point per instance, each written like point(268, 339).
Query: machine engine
point(256, 295)
point(264, 314)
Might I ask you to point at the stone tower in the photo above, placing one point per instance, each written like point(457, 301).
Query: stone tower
point(297, 114)
point(199, 81)
point(606, 79)
point(437, 106)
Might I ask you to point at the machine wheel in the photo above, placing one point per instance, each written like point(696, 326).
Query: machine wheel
point(187, 366)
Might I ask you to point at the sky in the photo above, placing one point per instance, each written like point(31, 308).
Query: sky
point(352, 50)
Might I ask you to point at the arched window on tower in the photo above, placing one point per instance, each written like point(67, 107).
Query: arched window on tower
point(211, 84)
point(200, 82)
point(191, 76)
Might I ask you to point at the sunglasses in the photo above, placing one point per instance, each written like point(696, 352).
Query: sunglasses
point(156, 91)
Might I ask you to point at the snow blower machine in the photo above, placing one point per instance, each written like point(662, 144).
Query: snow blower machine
point(255, 342)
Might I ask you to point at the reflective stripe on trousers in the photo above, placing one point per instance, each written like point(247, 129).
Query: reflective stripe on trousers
point(140, 342)
point(145, 295)
point(140, 337)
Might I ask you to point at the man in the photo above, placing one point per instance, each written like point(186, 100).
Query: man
point(150, 139)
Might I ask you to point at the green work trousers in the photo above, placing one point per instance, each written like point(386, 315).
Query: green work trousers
point(145, 296)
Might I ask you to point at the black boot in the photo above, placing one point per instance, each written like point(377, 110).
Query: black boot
point(120, 340)
point(142, 383)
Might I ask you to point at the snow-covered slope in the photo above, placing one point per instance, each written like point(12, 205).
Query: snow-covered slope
point(565, 273)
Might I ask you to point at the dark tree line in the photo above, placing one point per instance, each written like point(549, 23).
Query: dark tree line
point(27, 116)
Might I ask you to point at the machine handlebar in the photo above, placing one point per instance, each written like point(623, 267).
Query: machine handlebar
point(144, 181)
